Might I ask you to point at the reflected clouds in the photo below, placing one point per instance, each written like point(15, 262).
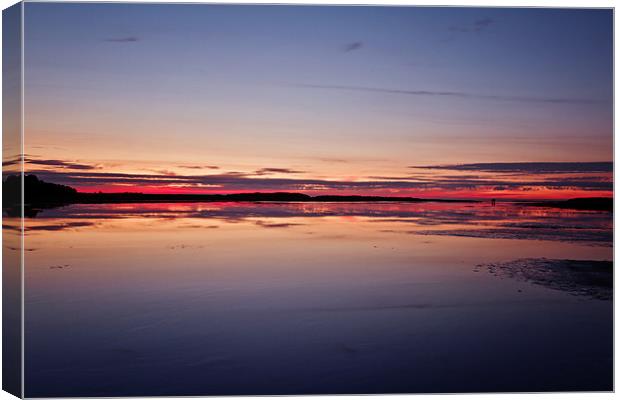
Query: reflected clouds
point(504, 221)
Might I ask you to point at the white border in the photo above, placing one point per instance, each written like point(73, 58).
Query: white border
point(467, 3)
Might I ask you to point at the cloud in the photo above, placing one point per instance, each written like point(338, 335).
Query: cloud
point(457, 95)
point(162, 171)
point(266, 171)
point(483, 23)
point(349, 47)
point(199, 166)
point(124, 39)
point(334, 160)
point(529, 167)
point(11, 162)
point(238, 181)
point(476, 26)
point(59, 164)
point(498, 176)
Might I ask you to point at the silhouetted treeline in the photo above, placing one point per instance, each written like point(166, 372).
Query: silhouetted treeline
point(36, 191)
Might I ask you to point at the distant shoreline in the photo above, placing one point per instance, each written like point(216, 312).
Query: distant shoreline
point(584, 204)
point(38, 193)
point(279, 197)
point(134, 198)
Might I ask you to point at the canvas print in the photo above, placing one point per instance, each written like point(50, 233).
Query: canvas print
point(206, 199)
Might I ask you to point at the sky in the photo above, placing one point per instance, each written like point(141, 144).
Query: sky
point(426, 102)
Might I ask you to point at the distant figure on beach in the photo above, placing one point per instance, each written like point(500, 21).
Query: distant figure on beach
point(493, 202)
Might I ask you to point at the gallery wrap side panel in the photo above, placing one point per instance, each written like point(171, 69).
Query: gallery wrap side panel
point(12, 198)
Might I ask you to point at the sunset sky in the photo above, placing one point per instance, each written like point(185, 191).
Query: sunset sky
point(428, 102)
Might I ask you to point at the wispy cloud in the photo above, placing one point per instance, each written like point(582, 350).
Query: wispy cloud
point(529, 167)
point(499, 177)
point(123, 39)
point(11, 162)
point(237, 181)
point(199, 166)
point(165, 172)
point(482, 23)
point(475, 26)
point(266, 171)
point(349, 47)
point(458, 95)
point(59, 164)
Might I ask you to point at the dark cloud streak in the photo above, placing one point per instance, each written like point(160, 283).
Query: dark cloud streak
point(529, 167)
point(349, 47)
point(241, 181)
point(59, 164)
point(457, 95)
point(265, 171)
point(125, 39)
point(199, 166)
point(477, 26)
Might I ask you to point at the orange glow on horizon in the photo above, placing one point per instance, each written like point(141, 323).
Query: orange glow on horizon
point(387, 181)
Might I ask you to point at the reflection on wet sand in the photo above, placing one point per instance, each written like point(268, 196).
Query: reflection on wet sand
point(187, 299)
point(508, 221)
point(592, 236)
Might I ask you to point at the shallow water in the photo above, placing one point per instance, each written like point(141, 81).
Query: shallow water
point(302, 298)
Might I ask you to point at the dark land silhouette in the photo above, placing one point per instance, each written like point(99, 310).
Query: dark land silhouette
point(35, 191)
point(584, 203)
point(39, 193)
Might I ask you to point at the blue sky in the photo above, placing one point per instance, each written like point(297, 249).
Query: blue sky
point(381, 87)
